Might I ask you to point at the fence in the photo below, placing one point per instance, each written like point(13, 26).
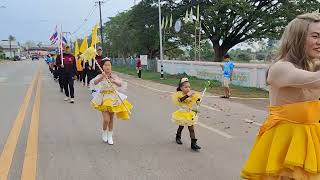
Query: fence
point(245, 74)
point(152, 64)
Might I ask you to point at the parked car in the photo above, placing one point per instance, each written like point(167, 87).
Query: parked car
point(23, 58)
point(16, 58)
point(34, 57)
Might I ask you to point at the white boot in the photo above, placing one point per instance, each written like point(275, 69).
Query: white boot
point(105, 136)
point(110, 139)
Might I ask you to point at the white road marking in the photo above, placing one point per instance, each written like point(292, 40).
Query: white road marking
point(221, 133)
point(209, 107)
point(217, 131)
point(211, 96)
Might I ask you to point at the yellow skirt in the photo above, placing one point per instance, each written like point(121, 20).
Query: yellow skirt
point(184, 118)
point(288, 144)
point(121, 110)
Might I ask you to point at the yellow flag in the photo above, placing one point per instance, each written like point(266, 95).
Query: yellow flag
point(89, 54)
point(76, 49)
point(94, 35)
point(84, 45)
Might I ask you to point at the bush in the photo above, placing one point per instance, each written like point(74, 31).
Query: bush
point(244, 57)
point(261, 56)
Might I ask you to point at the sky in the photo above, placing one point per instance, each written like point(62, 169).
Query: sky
point(35, 20)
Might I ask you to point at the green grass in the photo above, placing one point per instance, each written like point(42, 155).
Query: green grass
point(196, 83)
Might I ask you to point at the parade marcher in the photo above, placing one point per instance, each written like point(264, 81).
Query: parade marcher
point(55, 68)
point(79, 68)
point(185, 99)
point(87, 71)
point(98, 58)
point(49, 62)
point(109, 101)
point(59, 73)
point(139, 66)
point(288, 143)
point(68, 73)
point(52, 63)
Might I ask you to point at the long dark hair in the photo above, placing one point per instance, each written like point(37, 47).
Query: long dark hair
point(181, 84)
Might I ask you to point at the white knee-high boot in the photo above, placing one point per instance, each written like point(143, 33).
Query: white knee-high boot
point(110, 139)
point(105, 136)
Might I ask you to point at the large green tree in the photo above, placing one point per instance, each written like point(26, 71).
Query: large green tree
point(225, 23)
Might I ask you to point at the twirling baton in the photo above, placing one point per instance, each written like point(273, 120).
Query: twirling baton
point(207, 84)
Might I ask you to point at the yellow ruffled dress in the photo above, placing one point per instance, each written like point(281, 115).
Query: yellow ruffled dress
point(185, 116)
point(107, 99)
point(288, 144)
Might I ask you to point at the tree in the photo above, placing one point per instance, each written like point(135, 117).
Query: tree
point(206, 52)
point(225, 23)
point(11, 38)
point(136, 31)
point(229, 22)
point(29, 44)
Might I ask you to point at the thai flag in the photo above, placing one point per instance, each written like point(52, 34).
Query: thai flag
point(54, 37)
point(64, 41)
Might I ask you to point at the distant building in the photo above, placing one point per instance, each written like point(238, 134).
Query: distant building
point(41, 51)
point(10, 49)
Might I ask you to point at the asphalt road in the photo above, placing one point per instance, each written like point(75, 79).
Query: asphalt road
point(42, 137)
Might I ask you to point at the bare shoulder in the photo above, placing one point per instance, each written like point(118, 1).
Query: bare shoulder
point(281, 67)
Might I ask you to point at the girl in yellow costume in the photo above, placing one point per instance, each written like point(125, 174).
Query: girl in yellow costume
point(109, 101)
point(288, 144)
point(185, 116)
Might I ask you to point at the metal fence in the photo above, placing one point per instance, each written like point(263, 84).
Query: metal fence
point(152, 64)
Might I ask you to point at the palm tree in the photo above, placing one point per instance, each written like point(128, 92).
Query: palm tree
point(11, 38)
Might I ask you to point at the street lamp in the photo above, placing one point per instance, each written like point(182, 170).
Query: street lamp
point(160, 32)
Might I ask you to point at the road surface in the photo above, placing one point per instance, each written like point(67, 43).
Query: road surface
point(42, 137)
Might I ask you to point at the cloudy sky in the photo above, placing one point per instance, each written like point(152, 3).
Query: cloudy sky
point(35, 19)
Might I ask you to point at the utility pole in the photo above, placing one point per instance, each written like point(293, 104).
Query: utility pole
point(101, 29)
point(160, 32)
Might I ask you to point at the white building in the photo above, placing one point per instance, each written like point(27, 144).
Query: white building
point(10, 49)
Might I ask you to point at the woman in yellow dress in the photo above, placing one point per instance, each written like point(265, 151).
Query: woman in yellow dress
point(185, 99)
point(109, 101)
point(288, 143)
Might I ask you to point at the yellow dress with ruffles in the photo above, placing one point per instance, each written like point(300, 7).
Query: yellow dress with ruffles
point(185, 116)
point(108, 99)
point(288, 144)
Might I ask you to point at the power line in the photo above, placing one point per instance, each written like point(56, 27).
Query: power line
point(101, 27)
point(85, 20)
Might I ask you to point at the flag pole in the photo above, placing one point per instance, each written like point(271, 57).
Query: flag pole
point(61, 48)
point(195, 43)
point(199, 40)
